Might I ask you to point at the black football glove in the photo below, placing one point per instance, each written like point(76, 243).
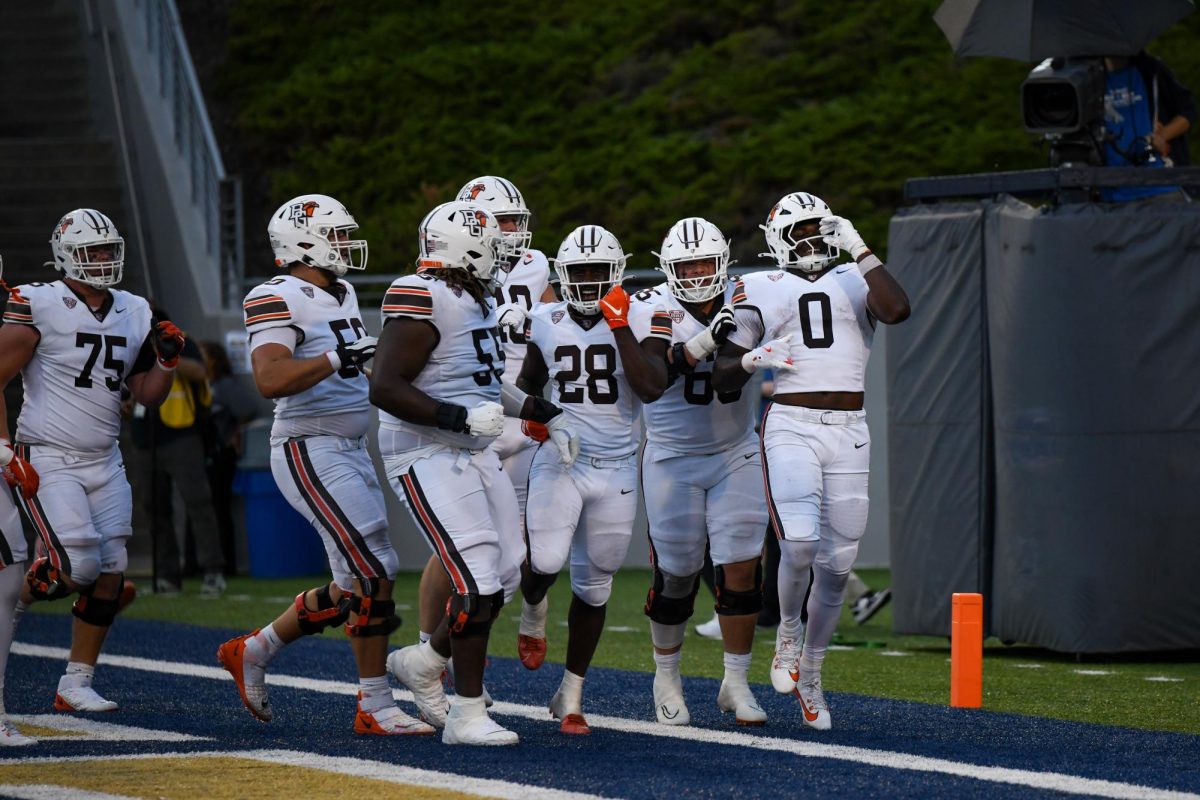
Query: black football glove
point(358, 352)
point(168, 342)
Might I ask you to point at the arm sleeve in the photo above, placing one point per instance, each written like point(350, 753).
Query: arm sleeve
point(145, 357)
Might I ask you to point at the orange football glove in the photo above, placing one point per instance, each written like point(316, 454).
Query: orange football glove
point(168, 343)
point(615, 306)
point(535, 430)
point(17, 471)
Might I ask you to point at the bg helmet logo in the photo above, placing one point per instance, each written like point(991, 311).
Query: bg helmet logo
point(474, 191)
point(475, 221)
point(301, 212)
point(65, 223)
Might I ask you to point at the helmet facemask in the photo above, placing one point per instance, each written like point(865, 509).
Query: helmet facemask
point(793, 234)
point(88, 249)
point(584, 283)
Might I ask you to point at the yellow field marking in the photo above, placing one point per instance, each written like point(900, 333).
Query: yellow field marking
point(215, 777)
point(43, 732)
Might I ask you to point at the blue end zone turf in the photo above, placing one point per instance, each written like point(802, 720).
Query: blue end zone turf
point(609, 762)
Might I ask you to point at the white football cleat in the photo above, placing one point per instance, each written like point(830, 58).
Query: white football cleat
point(11, 737)
point(710, 629)
point(785, 666)
point(81, 698)
point(668, 699)
point(469, 723)
point(423, 677)
point(738, 698)
point(249, 677)
point(388, 721)
point(812, 703)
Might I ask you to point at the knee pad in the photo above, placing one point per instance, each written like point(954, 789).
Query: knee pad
point(671, 599)
point(538, 584)
point(380, 545)
point(45, 582)
point(85, 568)
point(731, 603)
point(471, 615)
point(837, 556)
point(798, 556)
point(829, 588)
point(367, 607)
point(113, 556)
point(96, 610)
point(596, 591)
point(328, 613)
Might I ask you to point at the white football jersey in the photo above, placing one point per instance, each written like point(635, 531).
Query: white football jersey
point(587, 380)
point(525, 284)
point(828, 319)
point(689, 417)
point(466, 366)
point(321, 322)
point(73, 382)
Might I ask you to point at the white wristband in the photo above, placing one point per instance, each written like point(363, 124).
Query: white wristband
point(869, 263)
point(701, 346)
point(335, 360)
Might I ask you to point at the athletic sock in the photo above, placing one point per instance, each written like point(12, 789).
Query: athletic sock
point(264, 646)
point(737, 667)
point(376, 694)
point(77, 675)
point(533, 618)
point(668, 662)
point(571, 690)
point(423, 637)
point(810, 664)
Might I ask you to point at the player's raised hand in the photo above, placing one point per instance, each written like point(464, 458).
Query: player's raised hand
point(615, 307)
point(838, 232)
point(17, 471)
point(168, 342)
point(512, 316)
point(486, 419)
point(772, 355)
point(711, 338)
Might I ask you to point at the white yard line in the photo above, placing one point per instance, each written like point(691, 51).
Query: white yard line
point(44, 791)
point(101, 731)
point(1072, 784)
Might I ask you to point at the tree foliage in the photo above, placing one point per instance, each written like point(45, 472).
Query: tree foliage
point(630, 114)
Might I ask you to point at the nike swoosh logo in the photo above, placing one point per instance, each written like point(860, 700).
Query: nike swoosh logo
point(809, 715)
point(794, 674)
point(864, 444)
point(119, 310)
point(626, 491)
point(750, 456)
point(840, 271)
point(670, 715)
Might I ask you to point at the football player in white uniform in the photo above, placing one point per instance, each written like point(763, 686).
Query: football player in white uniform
point(437, 384)
point(308, 348)
point(13, 552)
point(526, 283)
point(701, 469)
point(76, 342)
point(586, 509)
point(817, 315)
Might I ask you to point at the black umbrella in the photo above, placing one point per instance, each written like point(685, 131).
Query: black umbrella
point(1033, 30)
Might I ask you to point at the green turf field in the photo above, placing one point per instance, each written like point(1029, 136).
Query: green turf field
point(1140, 692)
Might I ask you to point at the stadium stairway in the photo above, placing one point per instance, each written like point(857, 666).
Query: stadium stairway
point(53, 154)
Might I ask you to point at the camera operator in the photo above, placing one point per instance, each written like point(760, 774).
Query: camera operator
point(1147, 113)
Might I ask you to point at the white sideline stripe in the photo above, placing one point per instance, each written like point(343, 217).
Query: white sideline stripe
point(340, 765)
point(1054, 781)
point(1164, 679)
point(44, 791)
point(101, 731)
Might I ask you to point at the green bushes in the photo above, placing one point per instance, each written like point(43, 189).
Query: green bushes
point(630, 114)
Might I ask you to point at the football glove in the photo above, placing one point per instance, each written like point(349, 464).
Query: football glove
point(486, 419)
point(168, 343)
point(707, 341)
point(535, 430)
point(356, 353)
point(772, 355)
point(839, 233)
point(615, 307)
point(17, 471)
point(512, 316)
point(564, 438)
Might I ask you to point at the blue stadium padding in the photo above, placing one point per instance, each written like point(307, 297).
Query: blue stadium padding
point(280, 542)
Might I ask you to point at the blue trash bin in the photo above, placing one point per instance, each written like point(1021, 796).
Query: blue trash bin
point(280, 542)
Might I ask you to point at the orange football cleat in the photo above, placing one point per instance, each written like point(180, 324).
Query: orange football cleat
point(574, 724)
point(532, 650)
point(232, 654)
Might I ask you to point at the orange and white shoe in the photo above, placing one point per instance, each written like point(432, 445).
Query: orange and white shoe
point(11, 737)
point(81, 698)
point(388, 721)
point(812, 703)
point(569, 712)
point(232, 655)
point(531, 650)
point(736, 697)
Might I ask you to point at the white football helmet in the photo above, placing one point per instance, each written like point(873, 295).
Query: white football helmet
point(588, 247)
point(808, 253)
point(504, 200)
point(88, 248)
point(459, 235)
point(307, 228)
point(694, 239)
